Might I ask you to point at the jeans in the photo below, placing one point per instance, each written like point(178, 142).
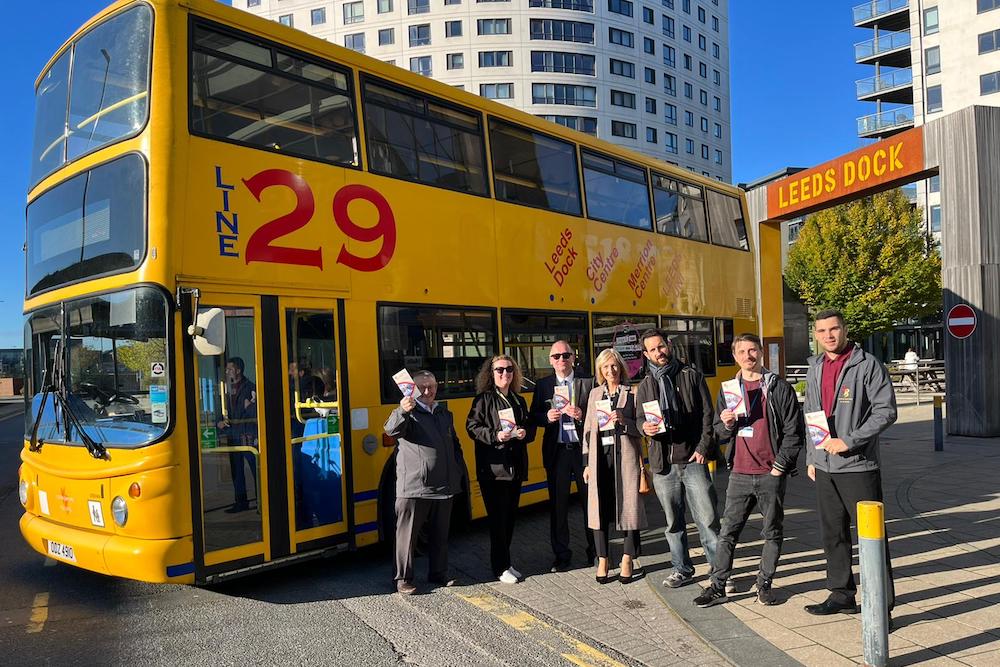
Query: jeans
point(688, 481)
point(767, 493)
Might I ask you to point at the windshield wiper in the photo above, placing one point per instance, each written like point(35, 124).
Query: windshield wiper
point(56, 386)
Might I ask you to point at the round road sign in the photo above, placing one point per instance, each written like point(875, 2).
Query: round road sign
point(961, 321)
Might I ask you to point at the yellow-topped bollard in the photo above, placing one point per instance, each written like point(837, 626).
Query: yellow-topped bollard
point(874, 583)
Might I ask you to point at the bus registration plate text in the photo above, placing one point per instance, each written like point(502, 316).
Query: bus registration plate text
point(60, 551)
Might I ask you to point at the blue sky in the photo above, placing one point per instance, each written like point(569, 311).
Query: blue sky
point(792, 99)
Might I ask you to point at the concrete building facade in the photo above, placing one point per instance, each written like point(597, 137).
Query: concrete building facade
point(652, 76)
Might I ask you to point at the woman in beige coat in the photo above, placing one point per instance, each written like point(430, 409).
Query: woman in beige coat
point(612, 450)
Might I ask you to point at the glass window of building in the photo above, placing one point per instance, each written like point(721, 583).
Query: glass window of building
point(495, 58)
point(704, 124)
point(686, 6)
point(715, 50)
point(418, 6)
point(620, 98)
point(667, 24)
point(717, 77)
point(702, 43)
point(688, 119)
point(718, 157)
point(455, 61)
point(989, 83)
point(578, 123)
point(703, 97)
point(934, 183)
point(317, 16)
point(934, 101)
point(493, 26)
point(622, 129)
point(701, 15)
point(648, 16)
point(670, 85)
point(715, 23)
point(533, 169)
point(563, 93)
point(623, 7)
point(287, 19)
point(420, 35)
point(651, 135)
point(649, 75)
point(704, 151)
point(689, 146)
point(355, 41)
point(497, 91)
point(935, 218)
point(386, 36)
point(702, 70)
point(930, 20)
point(385, 6)
point(622, 68)
point(354, 12)
point(253, 3)
point(650, 105)
point(669, 56)
point(688, 91)
point(717, 130)
point(717, 103)
point(670, 113)
point(686, 33)
point(649, 46)
point(566, 63)
point(421, 65)
point(621, 37)
point(986, 5)
point(452, 28)
point(572, 5)
point(671, 142)
point(688, 62)
point(989, 41)
point(932, 60)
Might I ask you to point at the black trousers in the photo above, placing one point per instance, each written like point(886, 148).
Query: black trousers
point(501, 500)
point(566, 464)
point(411, 516)
point(745, 492)
point(838, 495)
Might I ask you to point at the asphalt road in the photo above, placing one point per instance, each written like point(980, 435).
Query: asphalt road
point(332, 611)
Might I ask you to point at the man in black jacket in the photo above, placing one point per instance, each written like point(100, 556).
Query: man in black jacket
point(561, 448)
point(765, 445)
point(429, 474)
point(678, 458)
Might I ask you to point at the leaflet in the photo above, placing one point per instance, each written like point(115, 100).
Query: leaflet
point(818, 427)
point(560, 398)
point(733, 393)
point(603, 409)
point(654, 416)
point(404, 382)
point(507, 421)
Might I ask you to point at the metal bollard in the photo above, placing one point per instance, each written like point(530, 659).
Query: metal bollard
point(938, 425)
point(874, 583)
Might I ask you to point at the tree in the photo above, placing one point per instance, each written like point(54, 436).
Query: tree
point(868, 259)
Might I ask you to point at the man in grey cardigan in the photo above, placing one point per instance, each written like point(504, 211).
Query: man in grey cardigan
point(429, 473)
point(853, 389)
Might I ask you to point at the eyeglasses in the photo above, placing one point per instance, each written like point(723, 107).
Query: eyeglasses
point(561, 355)
point(504, 369)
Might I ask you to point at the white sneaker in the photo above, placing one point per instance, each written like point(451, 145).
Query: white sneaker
point(515, 572)
point(508, 577)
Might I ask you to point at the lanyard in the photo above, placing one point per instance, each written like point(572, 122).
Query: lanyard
point(757, 399)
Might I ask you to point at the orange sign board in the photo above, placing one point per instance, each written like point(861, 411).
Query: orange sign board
point(868, 170)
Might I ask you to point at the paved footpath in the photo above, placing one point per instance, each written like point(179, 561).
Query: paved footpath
point(943, 519)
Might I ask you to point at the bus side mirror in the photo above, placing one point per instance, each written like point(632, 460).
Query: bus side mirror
point(208, 333)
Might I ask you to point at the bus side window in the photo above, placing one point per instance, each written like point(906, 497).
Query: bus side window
point(532, 169)
point(726, 220)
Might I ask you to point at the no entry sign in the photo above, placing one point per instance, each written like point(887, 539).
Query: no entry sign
point(961, 321)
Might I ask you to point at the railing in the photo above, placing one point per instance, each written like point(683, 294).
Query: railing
point(886, 120)
point(922, 379)
point(886, 81)
point(882, 43)
point(876, 8)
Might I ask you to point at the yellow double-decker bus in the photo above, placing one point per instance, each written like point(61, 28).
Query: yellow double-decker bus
point(237, 234)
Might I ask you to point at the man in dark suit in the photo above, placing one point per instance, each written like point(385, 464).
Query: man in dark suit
point(561, 448)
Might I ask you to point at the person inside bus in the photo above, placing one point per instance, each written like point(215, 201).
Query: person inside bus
point(613, 452)
point(238, 428)
point(501, 454)
point(430, 470)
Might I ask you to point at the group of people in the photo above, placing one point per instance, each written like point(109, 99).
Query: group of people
point(602, 450)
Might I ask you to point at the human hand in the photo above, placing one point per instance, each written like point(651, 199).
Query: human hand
point(224, 423)
point(697, 458)
point(728, 418)
point(408, 403)
point(519, 433)
point(574, 412)
point(616, 416)
point(811, 471)
point(586, 475)
point(834, 446)
point(553, 415)
point(775, 472)
point(504, 436)
point(649, 428)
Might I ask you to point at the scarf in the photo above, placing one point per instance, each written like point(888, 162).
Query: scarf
point(665, 376)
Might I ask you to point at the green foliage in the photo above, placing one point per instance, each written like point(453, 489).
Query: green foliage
point(800, 387)
point(868, 259)
point(139, 355)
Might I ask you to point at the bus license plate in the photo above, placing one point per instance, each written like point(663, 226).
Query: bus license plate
point(61, 551)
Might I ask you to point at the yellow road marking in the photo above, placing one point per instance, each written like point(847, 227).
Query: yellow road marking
point(39, 613)
point(538, 630)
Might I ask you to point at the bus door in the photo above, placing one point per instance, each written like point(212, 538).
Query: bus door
point(228, 400)
point(316, 412)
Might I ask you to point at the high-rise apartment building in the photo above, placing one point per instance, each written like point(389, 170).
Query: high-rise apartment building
point(931, 57)
point(651, 76)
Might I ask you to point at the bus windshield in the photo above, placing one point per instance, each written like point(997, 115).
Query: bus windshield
point(95, 93)
point(115, 368)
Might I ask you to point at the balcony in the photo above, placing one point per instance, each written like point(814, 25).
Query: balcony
point(888, 48)
point(893, 86)
point(885, 123)
point(887, 14)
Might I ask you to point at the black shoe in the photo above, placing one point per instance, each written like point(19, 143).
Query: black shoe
point(710, 596)
point(405, 587)
point(559, 565)
point(765, 595)
point(238, 507)
point(830, 606)
point(602, 578)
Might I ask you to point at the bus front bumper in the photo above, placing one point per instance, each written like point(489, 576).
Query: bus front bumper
point(154, 561)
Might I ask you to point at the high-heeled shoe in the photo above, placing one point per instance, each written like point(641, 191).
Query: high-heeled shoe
point(626, 579)
point(602, 578)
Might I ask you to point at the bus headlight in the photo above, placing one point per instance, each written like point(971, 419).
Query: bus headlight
point(119, 509)
point(22, 492)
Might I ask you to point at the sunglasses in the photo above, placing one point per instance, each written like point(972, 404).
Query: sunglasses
point(561, 355)
point(504, 369)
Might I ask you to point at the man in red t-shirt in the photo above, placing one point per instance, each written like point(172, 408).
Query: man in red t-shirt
point(764, 444)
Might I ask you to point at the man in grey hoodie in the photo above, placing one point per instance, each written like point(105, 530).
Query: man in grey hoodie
point(429, 474)
point(853, 389)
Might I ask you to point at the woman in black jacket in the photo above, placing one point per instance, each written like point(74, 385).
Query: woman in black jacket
point(501, 454)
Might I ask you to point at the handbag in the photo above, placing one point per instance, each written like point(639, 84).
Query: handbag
point(644, 486)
